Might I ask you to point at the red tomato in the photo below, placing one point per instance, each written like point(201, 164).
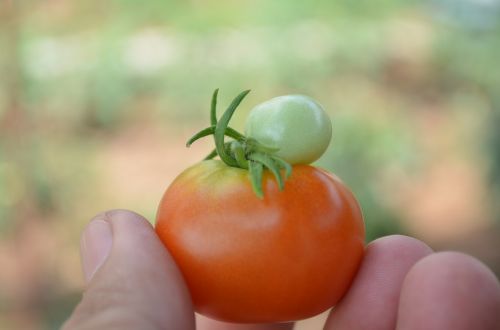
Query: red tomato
point(288, 256)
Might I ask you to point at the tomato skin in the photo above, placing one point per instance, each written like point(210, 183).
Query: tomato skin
point(289, 256)
point(295, 124)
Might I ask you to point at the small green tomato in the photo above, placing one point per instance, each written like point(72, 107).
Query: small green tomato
point(295, 124)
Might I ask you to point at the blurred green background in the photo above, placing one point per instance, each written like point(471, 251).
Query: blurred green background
point(97, 99)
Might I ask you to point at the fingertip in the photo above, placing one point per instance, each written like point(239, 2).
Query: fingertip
point(123, 216)
point(117, 230)
point(372, 301)
point(453, 264)
point(449, 290)
point(95, 245)
point(138, 284)
point(396, 247)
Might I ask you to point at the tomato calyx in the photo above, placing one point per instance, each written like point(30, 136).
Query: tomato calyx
point(241, 152)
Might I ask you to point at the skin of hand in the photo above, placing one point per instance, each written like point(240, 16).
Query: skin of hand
point(133, 283)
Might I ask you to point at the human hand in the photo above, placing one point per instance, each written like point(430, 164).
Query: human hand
point(133, 283)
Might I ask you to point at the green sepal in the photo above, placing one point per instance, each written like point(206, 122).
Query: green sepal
point(283, 164)
point(255, 146)
point(213, 108)
point(211, 155)
point(256, 169)
point(221, 127)
point(242, 152)
point(271, 165)
point(211, 130)
point(239, 154)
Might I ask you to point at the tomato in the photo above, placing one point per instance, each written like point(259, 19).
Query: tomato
point(287, 256)
point(254, 246)
point(295, 124)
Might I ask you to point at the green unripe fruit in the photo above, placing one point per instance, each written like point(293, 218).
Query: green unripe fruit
point(295, 124)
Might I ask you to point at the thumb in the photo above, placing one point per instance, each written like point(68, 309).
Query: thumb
point(132, 281)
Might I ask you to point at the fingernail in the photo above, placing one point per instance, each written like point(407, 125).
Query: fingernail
point(96, 243)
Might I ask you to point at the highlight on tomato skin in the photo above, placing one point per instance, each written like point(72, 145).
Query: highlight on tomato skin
point(258, 236)
point(287, 257)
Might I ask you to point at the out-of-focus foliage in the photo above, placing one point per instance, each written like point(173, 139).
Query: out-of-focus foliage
point(98, 97)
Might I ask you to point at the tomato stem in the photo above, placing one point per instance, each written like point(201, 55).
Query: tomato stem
point(241, 152)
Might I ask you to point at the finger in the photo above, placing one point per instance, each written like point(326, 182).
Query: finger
point(449, 290)
point(205, 323)
point(372, 300)
point(133, 282)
